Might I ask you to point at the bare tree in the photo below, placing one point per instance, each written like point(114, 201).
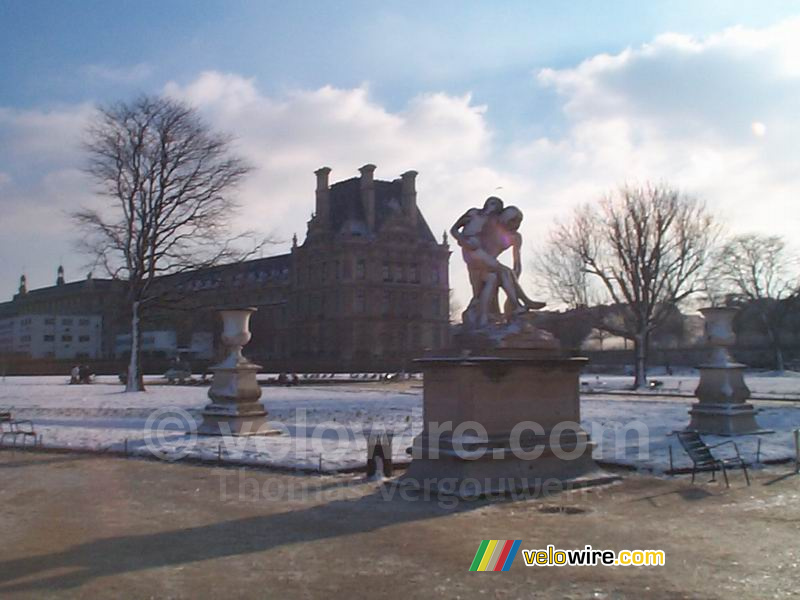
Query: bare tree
point(644, 248)
point(563, 277)
point(758, 270)
point(167, 177)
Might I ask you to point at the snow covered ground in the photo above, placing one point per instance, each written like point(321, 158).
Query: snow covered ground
point(325, 426)
point(684, 381)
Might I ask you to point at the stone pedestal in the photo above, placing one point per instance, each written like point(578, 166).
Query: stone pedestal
point(722, 393)
point(235, 408)
point(529, 408)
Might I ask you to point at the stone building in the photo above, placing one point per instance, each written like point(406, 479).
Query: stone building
point(369, 285)
point(366, 290)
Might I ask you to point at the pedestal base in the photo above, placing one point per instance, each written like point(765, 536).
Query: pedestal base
point(234, 408)
point(243, 423)
point(507, 423)
point(722, 408)
point(500, 466)
point(724, 419)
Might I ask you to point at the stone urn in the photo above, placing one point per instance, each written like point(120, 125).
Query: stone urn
point(719, 332)
point(235, 334)
point(722, 407)
point(235, 408)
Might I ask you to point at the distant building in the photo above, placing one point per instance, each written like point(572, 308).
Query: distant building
point(367, 289)
point(52, 336)
point(164, 344)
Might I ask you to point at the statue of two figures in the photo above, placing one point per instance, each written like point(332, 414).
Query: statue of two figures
point(484, 234)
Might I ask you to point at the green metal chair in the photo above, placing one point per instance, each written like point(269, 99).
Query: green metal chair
point(703, 460)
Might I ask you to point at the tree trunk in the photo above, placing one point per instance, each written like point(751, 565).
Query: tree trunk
point(135, 381)
point(640, 358)
point(779, 366)
point(774, 335)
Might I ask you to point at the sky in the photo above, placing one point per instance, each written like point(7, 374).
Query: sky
point(546, 104)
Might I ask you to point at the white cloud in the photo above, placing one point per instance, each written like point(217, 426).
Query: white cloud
point(714, 116)
point(446, 138)
point(286, 137)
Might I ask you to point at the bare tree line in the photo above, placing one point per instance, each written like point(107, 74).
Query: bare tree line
point(649, 249)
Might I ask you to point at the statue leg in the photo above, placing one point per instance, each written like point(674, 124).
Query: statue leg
point(489, 291)
point(513, 306)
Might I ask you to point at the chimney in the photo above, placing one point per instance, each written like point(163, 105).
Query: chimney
point(410, 196)
point(60, 275)
point(323, 196)
point(368, 194)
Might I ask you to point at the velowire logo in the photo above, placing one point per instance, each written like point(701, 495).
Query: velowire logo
point(495, 555)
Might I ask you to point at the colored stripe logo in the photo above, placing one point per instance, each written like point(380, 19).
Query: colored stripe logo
point(495, 555)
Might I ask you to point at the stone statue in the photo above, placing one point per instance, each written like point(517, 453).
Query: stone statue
point(484, 234)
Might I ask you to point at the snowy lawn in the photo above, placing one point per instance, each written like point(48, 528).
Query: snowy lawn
point(684, 381)
point(324, 426)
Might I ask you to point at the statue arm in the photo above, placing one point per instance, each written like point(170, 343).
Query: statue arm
point(517, 245)
point(455, 230)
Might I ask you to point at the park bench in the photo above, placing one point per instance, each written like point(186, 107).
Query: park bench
point(703, 460)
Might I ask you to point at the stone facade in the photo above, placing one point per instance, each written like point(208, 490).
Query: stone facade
point(367, 290)
point(370, 282)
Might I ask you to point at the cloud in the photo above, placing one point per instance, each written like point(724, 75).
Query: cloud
point(125, 75)
point(286, 137)
point(444, 137)
point(714, 116)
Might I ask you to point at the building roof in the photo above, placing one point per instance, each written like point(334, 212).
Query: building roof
point(347, 209)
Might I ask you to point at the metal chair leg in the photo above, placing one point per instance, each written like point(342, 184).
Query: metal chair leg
point(746, 476)
point(694, 470)
point(725, 474)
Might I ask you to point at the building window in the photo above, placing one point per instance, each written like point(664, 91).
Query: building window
point(416, 337)
point(66, 338)
point(83, 338)
point(435, 276)
point(336, 273)
point(66, 321)
point(398, 273)
point(387, 301)
point(83, 322)
point(361, 269)
point(50, 321)
point(404, 298)
point(387, 272)
point(324, 272)
point(360, 305)
point(49, 338)
point(414, 273)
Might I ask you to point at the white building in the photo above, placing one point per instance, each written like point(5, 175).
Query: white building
point(165, 341)
point(52, 336)
point(152, 341)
